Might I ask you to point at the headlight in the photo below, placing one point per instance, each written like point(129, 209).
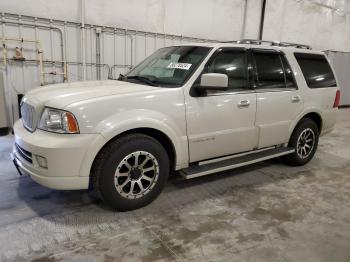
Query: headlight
point(59, 121)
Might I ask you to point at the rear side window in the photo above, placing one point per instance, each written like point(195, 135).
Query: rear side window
point(269, 70)
point(316, 70)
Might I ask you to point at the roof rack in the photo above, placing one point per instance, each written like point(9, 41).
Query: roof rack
point(272, 43)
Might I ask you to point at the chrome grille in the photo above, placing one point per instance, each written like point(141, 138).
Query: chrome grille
point(28, 116)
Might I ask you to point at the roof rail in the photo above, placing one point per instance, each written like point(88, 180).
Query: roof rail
point(272, 43)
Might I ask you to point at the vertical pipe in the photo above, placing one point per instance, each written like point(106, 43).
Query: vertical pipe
point(64, 51)
point(39, 54)
point(53, 65)
point(98, 53)
point(7, 90)
point(145, 44)
point(22, 51)
point(135, 57)
point(244, 18)
point(262, 18)
point(155, 42)
point(102, 53)
point(83, 55)
point(110, 74)
point(125, 48)
point(91, 53)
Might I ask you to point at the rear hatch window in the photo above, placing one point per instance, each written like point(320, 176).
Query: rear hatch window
point(316, 70)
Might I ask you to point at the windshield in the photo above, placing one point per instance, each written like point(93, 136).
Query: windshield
point(169, 66)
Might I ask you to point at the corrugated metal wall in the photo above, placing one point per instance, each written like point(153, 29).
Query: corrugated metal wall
point(109, 52)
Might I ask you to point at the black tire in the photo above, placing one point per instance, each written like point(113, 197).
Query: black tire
point(112, 156)
point(295, 159)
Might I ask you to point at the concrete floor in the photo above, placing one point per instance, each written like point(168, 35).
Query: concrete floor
point(265, 212)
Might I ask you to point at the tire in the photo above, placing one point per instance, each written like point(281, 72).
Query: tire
point(123, 184)
point(303, 132)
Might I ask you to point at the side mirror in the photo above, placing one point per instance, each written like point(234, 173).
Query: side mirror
point(213, 81)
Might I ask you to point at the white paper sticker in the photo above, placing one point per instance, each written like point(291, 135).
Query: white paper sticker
point(184, 66)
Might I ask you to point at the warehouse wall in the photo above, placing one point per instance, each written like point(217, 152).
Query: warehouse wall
point(214, 19)
point(324, 24)
point(119, 49)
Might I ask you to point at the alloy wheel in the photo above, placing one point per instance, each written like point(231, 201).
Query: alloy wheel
point(306, 143)
point(136, 174)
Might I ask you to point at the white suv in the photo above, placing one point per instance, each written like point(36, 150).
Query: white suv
point(195, 109)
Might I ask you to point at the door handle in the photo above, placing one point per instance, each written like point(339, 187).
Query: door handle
point(243, 103)
point(295, 99)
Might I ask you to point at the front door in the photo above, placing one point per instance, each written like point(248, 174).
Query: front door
point(279, 101)
point(222, 122)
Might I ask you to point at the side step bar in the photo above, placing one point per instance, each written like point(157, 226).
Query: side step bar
point(254, 157)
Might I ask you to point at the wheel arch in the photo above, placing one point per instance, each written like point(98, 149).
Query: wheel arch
point(160, 136)
point(314, 116)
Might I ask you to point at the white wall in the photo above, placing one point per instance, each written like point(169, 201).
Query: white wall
point(215, 19)
point(323, 24)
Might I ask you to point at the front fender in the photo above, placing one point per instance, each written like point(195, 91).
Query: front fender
point(140, 118)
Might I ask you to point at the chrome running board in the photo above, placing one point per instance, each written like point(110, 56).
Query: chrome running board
point(231, 163)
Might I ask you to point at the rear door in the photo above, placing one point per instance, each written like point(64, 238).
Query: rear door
point(279, 101)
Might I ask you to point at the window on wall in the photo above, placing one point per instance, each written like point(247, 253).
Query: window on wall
point(316, 70)
point(269, 70)
point(232, 63)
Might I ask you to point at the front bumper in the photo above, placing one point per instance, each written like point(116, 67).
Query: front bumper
point(69, 157)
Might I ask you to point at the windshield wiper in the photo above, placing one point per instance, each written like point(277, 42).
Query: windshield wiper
point(143, 80)
point(121, 77)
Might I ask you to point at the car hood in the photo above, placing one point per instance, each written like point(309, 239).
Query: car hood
point(62, 95)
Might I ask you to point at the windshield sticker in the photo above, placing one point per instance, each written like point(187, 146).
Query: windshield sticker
point(183, 66)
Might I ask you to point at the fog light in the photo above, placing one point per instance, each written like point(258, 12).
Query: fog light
point(42, 162)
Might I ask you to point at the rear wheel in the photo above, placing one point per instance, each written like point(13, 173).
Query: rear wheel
point(305, 140)
point(130, 172)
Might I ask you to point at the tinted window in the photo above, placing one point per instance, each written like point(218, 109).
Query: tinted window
point(233, 64)
point(269, 70)
point(316, 70)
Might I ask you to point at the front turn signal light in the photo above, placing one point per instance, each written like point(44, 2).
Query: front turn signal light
point(72, 124)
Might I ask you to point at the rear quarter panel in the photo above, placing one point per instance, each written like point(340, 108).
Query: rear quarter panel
point(316, 100)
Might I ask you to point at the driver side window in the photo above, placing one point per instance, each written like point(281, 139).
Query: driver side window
point(233, 63)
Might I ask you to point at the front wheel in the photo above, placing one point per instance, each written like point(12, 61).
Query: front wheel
point(305, 140)
point(130, 172)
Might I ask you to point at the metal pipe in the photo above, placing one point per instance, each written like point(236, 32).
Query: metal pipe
point(105, 28)
point(244, 19)
point(262, 18)
point(111, 74)
point(39, 52)
point(64, 65)
point(21, 40)
point(47, 27)
point(98, 53)
point(39, 26)
point(83, 55)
